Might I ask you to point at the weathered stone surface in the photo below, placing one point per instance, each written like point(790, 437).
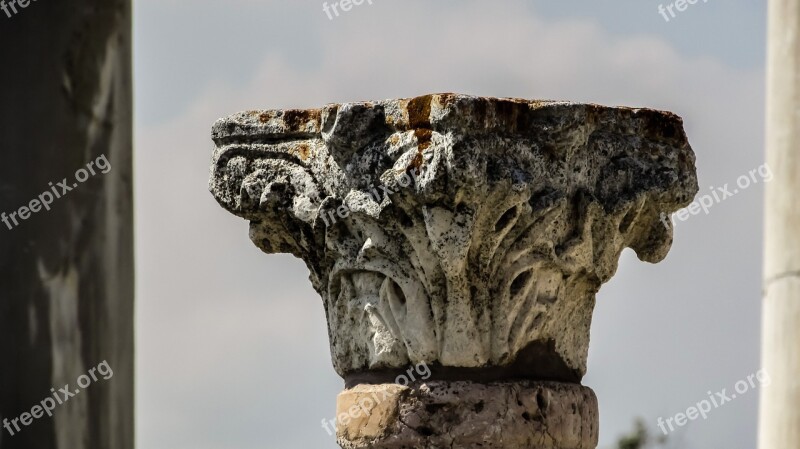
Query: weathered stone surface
point(365, 412)
point(468, 232)
point(466, 415)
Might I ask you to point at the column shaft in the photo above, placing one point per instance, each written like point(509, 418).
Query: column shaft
point(780, 402)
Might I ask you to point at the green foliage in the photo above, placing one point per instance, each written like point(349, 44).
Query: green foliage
point(640, 438)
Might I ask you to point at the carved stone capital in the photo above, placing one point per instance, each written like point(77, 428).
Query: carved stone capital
point(470, 234)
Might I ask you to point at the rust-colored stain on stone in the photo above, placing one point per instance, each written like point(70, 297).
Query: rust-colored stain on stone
point(419, 112)
point(424, 137)
point(303, 151)
point(419, 120)
point(296, 119)
point(264, 117)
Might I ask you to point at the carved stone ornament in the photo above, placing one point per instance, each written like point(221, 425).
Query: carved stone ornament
point(470, 234)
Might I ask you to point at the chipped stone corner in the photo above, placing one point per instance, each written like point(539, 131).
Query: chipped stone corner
point(365, 413)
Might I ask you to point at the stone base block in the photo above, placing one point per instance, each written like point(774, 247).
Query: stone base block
point(466, 415)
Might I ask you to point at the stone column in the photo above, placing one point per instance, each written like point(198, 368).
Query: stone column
point(66, 269)
point(458, 244)
point(779, 425)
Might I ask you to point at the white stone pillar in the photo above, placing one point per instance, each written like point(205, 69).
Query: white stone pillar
point(780, 403)
point(458, 243)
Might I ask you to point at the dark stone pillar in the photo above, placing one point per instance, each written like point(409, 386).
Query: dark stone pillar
point(66, 274)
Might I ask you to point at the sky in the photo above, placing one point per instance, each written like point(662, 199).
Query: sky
point(232, 348)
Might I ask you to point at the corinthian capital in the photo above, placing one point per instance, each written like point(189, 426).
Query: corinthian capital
point(469, 234)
